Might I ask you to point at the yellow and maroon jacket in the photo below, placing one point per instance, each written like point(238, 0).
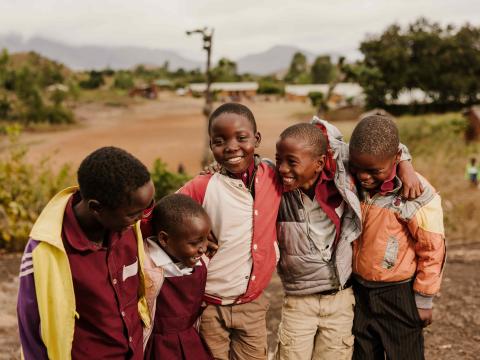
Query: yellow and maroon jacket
point(401, 240)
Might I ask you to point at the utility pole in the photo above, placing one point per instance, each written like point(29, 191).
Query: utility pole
point(207, 36)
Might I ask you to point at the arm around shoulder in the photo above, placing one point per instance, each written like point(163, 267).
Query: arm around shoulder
point(426, 227)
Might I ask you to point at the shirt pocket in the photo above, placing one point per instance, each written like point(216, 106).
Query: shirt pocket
point(130, 270)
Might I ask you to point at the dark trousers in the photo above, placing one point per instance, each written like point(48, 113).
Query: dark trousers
point(386, 323)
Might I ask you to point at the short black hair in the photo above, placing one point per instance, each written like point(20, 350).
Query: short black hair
point(309, 133)
point(233, 108)
point(110, 175)
point(170, 213)
point(375, 135)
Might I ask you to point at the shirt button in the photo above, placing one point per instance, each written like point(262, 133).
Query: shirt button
point(123, 313)
point(253, 277)
point(255, 246)
point(256, 212)
point(114, 281)
point(130, 339)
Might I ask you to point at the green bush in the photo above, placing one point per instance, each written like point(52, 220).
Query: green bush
point(123, 80)
point(94, 81)
point(166, 182)
point(25, 190)
point(272, 87)
point(316, 98)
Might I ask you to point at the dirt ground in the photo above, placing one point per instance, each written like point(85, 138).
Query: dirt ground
point(172, 128)
point(454, 334)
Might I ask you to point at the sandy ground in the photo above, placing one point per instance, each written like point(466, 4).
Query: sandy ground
point(172, 129)
point(454, 334)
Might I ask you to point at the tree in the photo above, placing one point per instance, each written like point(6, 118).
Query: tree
point(444, 62)
point(298, 70)
point(225, 71)
point(322, 71)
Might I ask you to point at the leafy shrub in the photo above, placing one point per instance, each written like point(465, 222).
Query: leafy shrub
point(123, 80)
point(25, 190)
point(166, 182)
point(94, 81)
point(271, 87)
point(316, 98)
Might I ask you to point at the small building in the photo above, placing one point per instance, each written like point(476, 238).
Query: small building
point(343, 93)
point(232, 90)
point(472, 114)
point(409, 97)
point(146, 91)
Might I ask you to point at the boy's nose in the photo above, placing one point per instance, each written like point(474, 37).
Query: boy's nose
point(231, 146)
point(363, 176)
point(282, 168)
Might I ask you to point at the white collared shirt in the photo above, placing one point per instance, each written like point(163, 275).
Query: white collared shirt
point(162, 259)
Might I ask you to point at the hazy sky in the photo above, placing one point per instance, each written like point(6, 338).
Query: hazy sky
point(241, 27)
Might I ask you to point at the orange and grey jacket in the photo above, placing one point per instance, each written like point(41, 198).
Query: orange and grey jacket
point(401, 240)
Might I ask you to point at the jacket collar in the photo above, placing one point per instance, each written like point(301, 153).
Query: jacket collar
point(48, 227)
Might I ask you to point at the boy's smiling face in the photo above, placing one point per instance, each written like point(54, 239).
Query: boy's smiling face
point(233, 142)
point(297, 164)
point(370, 170)
point(189, 242)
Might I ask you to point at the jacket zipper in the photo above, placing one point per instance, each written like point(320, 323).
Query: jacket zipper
point(368, 205)
point(334, 264)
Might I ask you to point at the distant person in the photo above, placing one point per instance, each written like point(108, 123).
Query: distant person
point(398, 260)
point(81, 284)
point(242, 201)
point(181, 227)
point(471, 172)
point(318, 220)
point(181, 168)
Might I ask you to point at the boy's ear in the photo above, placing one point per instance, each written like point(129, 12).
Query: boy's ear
point(398, 156)
point(258, 139)
point(321, 163)
point(94, 206)
point(163, 238)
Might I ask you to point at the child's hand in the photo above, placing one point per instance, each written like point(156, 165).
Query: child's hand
point(412, 187)
point(426, 315)
point(212, 245)
point(211, 168)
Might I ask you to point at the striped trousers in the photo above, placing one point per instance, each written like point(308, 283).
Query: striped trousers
point(386, 323)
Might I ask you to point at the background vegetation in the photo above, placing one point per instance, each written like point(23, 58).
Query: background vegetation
point(27, 187)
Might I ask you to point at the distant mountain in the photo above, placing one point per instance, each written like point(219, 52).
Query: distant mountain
point(271, 61)
point(274, 60)
point(97, 57)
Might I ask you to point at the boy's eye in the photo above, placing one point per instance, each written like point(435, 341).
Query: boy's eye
point(242, 138)
point(217, 141)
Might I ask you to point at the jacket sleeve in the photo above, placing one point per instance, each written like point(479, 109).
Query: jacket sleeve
point(426, 227)
point(27, 309)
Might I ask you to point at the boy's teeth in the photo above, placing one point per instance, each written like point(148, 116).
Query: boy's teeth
point(288, 180)
point(234, 160)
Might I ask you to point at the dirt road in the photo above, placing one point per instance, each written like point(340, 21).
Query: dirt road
point(171, 128)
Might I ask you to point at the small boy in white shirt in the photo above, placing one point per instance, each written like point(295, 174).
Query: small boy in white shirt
point(176, 275)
